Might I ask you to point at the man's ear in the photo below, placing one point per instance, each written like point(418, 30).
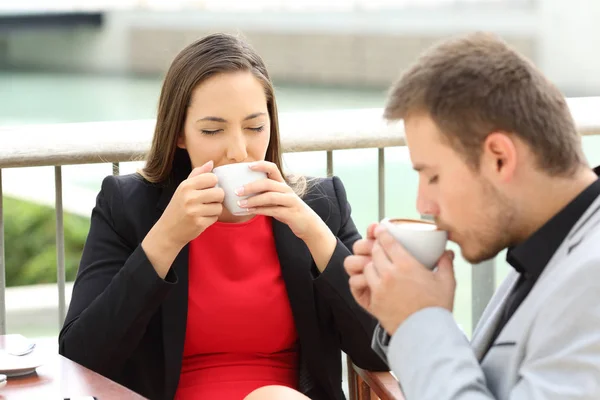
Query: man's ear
point(499, 156)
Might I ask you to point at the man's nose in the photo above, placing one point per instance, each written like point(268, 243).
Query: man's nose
point(427, 207)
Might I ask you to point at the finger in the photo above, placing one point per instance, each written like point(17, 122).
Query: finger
point(363, 247)
point(276, 212)
point(261, 186)
point(387, 267)
point(267, 199)
point(269, 168)
point(381, 263)
point(371, 275)
point(371, 231)
point(378, 254)
point(379, 229)
point(445, 268)
point(356, 264)
point(211, 195)
point(394, 251)
point(358, 282)
point(205, 180)
point(203, 169)
point(360, 291)
point(208, 210)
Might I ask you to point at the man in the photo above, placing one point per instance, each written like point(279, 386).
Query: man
point(500, 166)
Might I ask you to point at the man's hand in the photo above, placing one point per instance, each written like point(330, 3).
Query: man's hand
point(355, 266)
point(392, 285)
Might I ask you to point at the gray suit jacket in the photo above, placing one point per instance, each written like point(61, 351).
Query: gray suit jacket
point(549, 349)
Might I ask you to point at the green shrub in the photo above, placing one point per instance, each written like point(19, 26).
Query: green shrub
point(30, 242)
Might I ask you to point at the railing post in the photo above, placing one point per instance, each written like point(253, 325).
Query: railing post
point(352, 380)
point(60, 245)
point(2, 265)
point(116, 170)
point(483, 285)
point(329, 163)
point(381, 184)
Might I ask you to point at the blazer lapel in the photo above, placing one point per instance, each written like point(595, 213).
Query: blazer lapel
point(483, 335)
point(174, 308)
point(481, 338)
point(296, 262)
point(588, 221)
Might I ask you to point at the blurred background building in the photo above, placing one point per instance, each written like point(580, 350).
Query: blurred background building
point(352, 43)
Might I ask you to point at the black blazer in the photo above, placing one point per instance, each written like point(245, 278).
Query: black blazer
point(127, 324)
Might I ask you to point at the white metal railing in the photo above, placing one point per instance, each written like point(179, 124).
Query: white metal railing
point(115, 142)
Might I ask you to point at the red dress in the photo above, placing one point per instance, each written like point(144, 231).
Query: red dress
point(240, 332)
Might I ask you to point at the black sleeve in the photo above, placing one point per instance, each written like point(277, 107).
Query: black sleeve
point(116, 292)
point(354, 325)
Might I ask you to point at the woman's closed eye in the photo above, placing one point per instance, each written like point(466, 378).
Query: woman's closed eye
point(215, 131)
point(211, 131)
point(433, 179)
point(257, 129)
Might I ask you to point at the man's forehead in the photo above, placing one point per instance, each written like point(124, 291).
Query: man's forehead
point(423, 153)
point(424, 142)
point(421, 127)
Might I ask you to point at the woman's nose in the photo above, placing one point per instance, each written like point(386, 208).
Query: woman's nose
point(236, 149)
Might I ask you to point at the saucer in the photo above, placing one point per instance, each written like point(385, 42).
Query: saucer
point(14, 366)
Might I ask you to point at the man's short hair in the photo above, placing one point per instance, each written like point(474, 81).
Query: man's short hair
point(476, 84)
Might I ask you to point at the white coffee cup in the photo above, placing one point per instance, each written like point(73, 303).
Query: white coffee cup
point(232, 177)
point(422, 239)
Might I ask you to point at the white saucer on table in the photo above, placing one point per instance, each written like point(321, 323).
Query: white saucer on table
point(13, 366)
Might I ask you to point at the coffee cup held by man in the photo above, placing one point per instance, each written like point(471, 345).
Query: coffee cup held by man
point(422, 239)
point(500, 166)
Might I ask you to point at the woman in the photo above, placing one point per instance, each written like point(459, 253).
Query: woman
point(176, 297)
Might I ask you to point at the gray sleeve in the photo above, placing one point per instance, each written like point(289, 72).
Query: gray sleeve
point(430, 344)
point(432, 358)
point(381, 342)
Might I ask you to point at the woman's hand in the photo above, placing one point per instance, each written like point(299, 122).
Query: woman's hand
point(273, 197)
point(195, 205)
